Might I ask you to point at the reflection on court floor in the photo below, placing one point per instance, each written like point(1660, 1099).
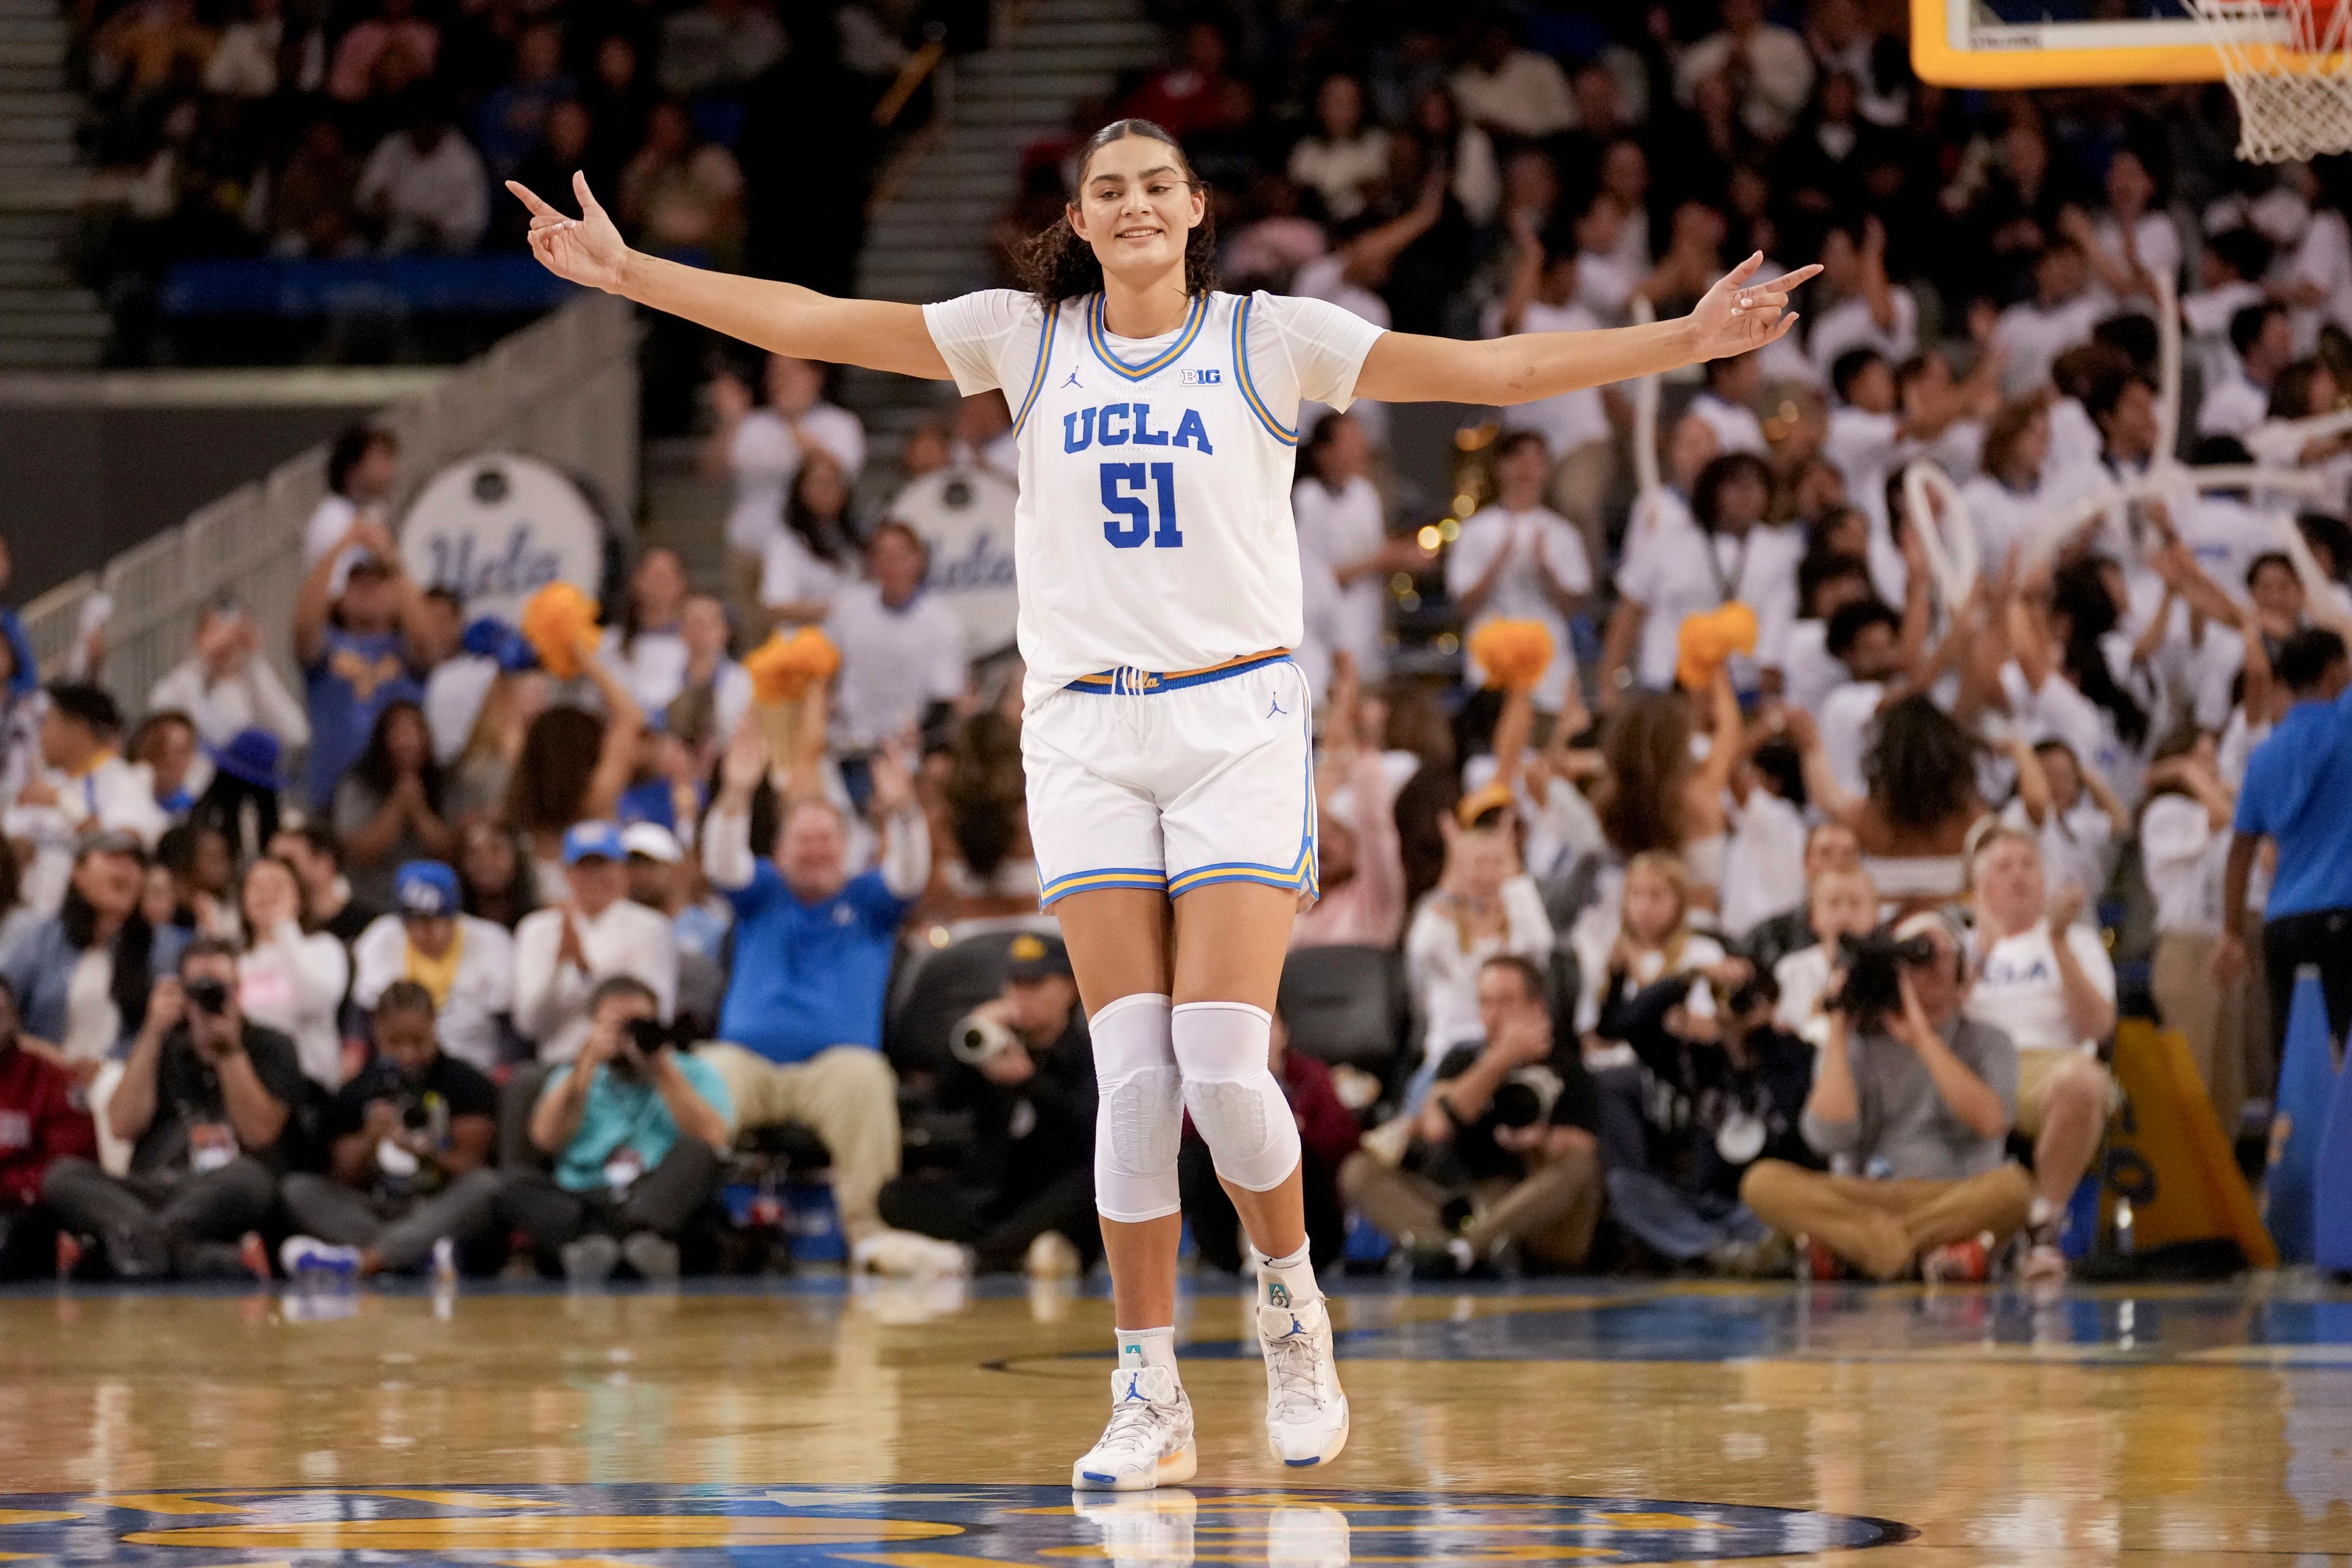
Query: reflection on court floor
point(901, 1527)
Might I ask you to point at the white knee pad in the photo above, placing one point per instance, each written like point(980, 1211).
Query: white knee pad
point(1221, 1049)
point(1139, 1111)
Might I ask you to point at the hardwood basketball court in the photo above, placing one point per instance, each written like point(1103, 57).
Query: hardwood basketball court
point(802, 1423)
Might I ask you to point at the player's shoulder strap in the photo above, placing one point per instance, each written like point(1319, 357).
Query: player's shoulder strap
point(1048, 329)
point(1248, 310)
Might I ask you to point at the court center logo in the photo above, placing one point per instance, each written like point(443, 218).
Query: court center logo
point(896, 1527)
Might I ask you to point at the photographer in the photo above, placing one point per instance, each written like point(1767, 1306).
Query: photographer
point(1918, 1098)
point(204, 1100)
point(410, 1159)
point(635, 1128)
point(1502, 1156)
point(1716, 1085)
point(1025, 1068)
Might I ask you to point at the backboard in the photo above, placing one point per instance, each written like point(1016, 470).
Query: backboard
point(2004, 44)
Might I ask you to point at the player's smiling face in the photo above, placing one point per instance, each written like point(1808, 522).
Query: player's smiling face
point(1137, 207)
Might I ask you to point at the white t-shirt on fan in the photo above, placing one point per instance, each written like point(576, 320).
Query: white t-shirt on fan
point(1538, 539)
point(2018, 989)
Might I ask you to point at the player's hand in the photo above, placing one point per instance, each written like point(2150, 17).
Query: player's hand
point(1739, 314)
point(587, 249)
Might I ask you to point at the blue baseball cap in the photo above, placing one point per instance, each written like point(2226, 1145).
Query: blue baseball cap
point(593, 839)
point(424, 889)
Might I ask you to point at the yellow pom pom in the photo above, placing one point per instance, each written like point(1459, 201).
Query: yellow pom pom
point(783, 667)
point(1706, 640)
point(1512, 655)
point(560, 624)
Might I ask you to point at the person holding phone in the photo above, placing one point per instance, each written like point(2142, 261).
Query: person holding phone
point(635, 1128)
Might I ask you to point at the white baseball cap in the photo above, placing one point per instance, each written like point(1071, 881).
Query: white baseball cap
point(653, 841)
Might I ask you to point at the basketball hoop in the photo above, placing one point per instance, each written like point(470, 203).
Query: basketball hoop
point(2289, 64)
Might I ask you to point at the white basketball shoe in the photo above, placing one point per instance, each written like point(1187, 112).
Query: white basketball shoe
point(1305, 1414)
point(1148, 1442)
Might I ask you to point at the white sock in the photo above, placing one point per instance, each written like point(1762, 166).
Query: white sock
point(1294, 1276)
point(2042, 1213)
point(1147, 1347)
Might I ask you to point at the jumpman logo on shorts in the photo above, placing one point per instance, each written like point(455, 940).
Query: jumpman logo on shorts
point(1073, 380)
point(1276, 709)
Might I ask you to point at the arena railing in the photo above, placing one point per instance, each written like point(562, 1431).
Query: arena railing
point(563, 389)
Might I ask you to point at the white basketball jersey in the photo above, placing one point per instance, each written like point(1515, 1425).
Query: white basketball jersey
point(1153, 529)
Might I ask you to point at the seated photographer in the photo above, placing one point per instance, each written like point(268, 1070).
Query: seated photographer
point(205, 1102)
point(1502, 1155)
point(1327, 1134)
point(1911, 1101)
point(1716, 1085)
point(1838, 903)
point(409, 1163)
point(2044, 978)
point(1024, 1197)
point(635, 1128)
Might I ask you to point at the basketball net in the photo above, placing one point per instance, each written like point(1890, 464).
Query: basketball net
point(2288, 63)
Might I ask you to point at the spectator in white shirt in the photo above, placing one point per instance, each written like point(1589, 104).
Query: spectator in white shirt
point(814, 556)
point(2184, 839)
point(565, 952)
point(83, 785)
point(1727, 402)
point(1507, 87)
point(362, 467)
point(288, 980)
point(1771, 67)
point(2009, 490)
point(2046, 979)
point(901, 648)
point(1342, 158)
point(2133, 241)
point(760, 449)
point(1343, 530)
point(468, 964)
point(1868, 311)
point(1828, 580)
point(224, 686)
point(646, 649)
point(2263, 342)
point(425, 188)
point(2074, 815)
point(1517, 558)
point(1546, 296)
point(2063, 310)
point(1723, 552)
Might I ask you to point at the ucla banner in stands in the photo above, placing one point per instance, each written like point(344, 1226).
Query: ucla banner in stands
point(497, 527)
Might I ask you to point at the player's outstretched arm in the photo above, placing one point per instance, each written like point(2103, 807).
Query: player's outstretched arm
point(782, 318)
point(1737, 315)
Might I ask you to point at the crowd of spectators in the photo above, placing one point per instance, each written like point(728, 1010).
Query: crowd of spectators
point(383, 127)
point(1702, 953)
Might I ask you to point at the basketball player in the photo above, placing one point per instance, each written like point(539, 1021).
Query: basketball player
point(1167, 736)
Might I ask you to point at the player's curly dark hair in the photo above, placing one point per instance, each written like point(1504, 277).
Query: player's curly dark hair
point(1058, 265)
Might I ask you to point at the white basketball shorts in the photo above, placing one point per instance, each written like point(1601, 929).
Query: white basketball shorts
point(1175, 781)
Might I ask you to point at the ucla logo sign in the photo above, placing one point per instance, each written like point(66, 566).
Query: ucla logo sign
point(921, 1526)
point(497, 527)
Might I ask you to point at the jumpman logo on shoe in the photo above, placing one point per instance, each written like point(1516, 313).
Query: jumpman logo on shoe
point(1135, 1389)
point(1073, 380)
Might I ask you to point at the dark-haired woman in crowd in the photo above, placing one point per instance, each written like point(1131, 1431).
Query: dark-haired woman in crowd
point(646, 646)
point(814, 554)
point(82, 977)
point(494, 873)
point(573, 765)
point(390, 808)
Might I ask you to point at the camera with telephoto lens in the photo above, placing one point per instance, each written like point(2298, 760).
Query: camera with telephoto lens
point(1873, 974)
point(208, 995)
point(1526, 1098)
point(976, 1039)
